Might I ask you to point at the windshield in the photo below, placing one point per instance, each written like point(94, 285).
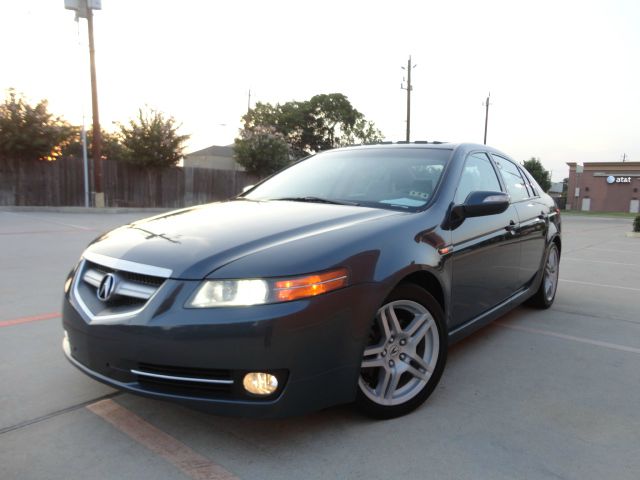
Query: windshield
point(398, 178)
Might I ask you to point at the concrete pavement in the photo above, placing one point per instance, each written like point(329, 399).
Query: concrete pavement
point(536, 395)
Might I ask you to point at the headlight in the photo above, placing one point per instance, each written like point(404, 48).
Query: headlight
point(226, 293)
point(222, 293)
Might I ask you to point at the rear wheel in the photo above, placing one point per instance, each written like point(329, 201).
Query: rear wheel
point(546, 294)
point(405, 356)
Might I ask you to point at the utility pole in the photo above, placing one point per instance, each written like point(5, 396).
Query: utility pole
point(249, 102)
point(624, 157)
point(486, 117)
point(408, 88)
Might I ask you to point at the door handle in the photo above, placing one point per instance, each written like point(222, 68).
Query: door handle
point(543, 216)
point(511, 228)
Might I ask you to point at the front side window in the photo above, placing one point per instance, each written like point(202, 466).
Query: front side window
point(395, 178)
point(478, 175)
point(512, 177)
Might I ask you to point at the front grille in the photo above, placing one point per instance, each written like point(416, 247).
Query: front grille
point(131, 276)
point(131, 290)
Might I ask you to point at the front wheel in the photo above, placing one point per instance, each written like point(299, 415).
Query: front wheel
point(405, 356)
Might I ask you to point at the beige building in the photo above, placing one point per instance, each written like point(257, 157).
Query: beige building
point(215, 157)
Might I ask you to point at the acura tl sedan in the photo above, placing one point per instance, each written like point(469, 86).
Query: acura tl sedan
point(343, 278)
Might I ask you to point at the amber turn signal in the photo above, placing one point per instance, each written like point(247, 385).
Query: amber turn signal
point(287, 290)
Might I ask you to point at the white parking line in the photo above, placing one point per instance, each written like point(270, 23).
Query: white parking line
point(613, 250)
point(588, 341)
point(604, 285)
point(48, 220)
point(600, 261)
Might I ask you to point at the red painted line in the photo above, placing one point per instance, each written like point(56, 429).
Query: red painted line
point(177, 453)
point(35, 318)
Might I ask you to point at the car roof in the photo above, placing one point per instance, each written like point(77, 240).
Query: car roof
point(459, 147)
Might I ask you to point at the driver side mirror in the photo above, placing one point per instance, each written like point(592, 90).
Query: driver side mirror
point(479, 204)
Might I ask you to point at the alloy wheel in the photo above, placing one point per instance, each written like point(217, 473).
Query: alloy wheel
point(551, 272)
point(401, 355)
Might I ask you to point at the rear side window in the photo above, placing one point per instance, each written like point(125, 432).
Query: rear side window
point(536, 189)
point(478, 175)
point(516, 185)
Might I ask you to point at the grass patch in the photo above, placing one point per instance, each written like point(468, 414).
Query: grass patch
point(599, 214)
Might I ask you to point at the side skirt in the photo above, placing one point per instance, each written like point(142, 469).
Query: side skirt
point(487, 317)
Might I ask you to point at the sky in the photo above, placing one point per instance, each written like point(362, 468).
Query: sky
point(564, 75)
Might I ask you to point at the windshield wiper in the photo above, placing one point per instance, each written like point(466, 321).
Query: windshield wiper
point(312, 199)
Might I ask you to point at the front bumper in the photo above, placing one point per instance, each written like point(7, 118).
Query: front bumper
point(314, 347)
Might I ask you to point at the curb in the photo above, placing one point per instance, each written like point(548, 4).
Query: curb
point(633, 234)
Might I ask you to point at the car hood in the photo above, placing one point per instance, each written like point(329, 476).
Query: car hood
point(195, 241)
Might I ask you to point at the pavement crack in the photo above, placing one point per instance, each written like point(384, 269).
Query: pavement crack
point(57, 413)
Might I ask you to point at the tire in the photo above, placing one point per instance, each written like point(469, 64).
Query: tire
point(546, 293)
point(405, 356)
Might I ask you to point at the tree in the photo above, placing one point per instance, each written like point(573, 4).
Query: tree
point(30, 132)
point(537, 171)
point(112, 148)
point(261, 150)
point(325, 121)
point(151, 140)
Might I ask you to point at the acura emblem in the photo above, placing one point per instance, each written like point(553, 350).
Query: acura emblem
point(107, 287)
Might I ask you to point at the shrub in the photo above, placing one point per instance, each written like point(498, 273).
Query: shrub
point(636, 224)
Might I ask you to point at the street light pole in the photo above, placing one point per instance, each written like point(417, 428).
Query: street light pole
point(97, 134)
point(84, 9)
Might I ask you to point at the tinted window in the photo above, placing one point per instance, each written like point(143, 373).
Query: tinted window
point(512, 177)
point(533, 185)
point(402, 178)
point(478, 175)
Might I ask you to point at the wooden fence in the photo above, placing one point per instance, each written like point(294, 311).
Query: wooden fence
point(60, 183)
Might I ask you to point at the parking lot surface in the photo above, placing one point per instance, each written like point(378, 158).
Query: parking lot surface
point(536, 395)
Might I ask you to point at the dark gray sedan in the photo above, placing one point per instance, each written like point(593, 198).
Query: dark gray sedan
point(342, 278)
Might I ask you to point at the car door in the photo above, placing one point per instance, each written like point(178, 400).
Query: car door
point(486, 252)
point(533, 215)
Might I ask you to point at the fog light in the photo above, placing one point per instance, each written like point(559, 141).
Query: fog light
point(260, 383)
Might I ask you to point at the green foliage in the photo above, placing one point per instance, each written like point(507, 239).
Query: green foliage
point(112, 149)
point(636, 224)
point(30, 132)
point(151, 140)
point(537, 171)
point(325, 121)
point(261, 150)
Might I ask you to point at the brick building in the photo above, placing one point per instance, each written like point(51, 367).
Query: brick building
point(604, 186)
